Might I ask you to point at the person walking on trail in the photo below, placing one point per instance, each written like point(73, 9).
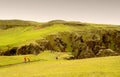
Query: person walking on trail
point(56, 58)
point(25, 59)
point(28, 58)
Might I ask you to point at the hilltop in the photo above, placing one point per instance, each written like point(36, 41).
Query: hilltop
point(81, 39)
point(5, 24)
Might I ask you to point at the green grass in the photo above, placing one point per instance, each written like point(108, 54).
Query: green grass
point(23, 35)
point(13, 60)
point(43, 56)
point(47, 66)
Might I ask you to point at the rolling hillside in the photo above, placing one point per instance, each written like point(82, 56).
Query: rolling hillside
point(81, 39)
point(57, 48)
point(5, 24)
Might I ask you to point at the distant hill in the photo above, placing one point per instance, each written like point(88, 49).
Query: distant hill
point(70, 23)
point(5, 24)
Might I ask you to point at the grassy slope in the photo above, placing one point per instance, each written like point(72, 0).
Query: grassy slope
point(44, 56)
point(46, 65)
point(23, 35)
point(15, 23)
point(93, 67)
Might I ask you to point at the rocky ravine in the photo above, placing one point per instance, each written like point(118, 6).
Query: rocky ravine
point(82, 44)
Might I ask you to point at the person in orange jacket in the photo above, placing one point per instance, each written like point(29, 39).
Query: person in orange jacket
point(25, 59)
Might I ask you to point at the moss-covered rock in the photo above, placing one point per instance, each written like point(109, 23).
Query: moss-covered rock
point(82, 44)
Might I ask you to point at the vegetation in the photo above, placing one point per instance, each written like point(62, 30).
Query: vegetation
point(48, 66)
point(57, 48)
point(5, 24)
point(44, 56)
point(21, 35)
point(58, 35)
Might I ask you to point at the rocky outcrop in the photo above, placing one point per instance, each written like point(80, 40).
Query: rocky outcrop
point(9, 52)
point(98, 44)
point(84, 44)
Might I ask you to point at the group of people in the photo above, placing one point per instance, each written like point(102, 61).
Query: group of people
point(26, 59)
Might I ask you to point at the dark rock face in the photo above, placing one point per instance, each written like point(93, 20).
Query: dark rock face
point(95, 43)
point(29, 49)
point(104, 44)
point(117, 42)
point(9, 52)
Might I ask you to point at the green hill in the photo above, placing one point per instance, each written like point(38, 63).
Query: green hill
point(5, 24)
point(83, 40)
point(69, 41)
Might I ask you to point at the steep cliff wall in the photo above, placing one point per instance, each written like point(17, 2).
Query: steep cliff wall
point(82, 44)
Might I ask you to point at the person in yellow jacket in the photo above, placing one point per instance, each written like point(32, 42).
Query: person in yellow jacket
point(26, 59)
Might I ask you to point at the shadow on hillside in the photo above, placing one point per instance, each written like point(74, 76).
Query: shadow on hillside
point(1, 66)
